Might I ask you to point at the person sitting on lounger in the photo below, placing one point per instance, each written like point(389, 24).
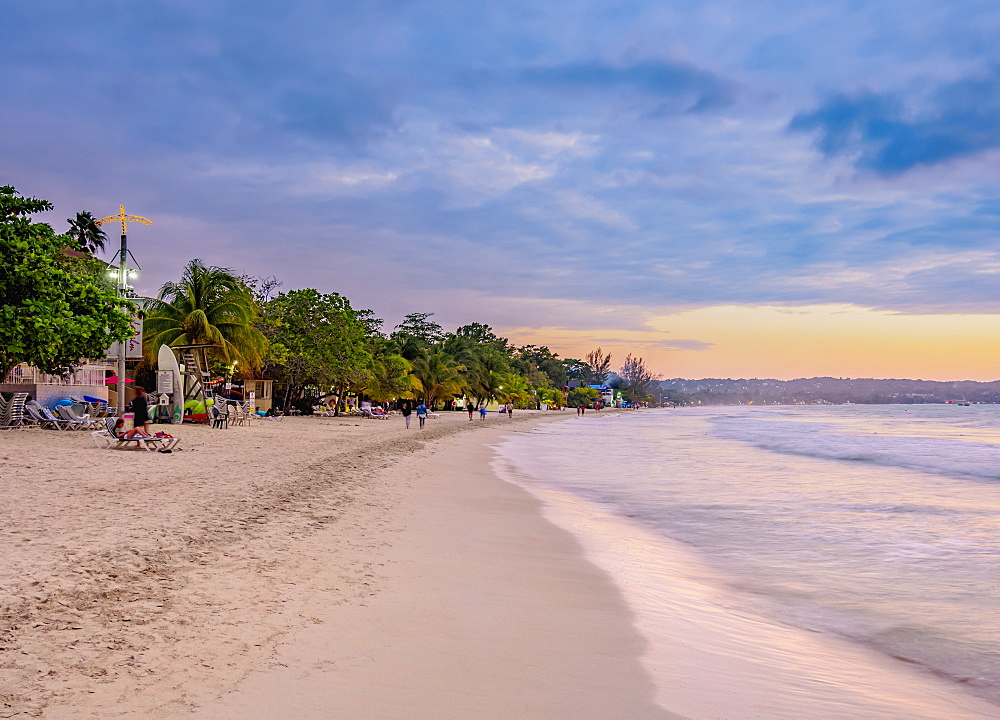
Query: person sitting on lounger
point(132, 434)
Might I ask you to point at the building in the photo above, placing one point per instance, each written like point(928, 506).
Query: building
point(88, 379)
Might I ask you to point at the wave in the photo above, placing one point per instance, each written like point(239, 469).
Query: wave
point(931, 455)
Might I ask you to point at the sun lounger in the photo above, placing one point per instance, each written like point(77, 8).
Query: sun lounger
point(12, 411)
point(45, 419)
point(106, 438)
point(77, 422)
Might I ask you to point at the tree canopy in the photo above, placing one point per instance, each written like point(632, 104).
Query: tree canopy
point(55, 309)
point(208, 305)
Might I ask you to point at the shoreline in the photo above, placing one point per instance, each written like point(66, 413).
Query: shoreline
point(487, 611)
point(144, 585)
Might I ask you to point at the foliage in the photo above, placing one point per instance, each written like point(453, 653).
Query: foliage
point(87, 233)
point(439, 376)
point(575, 370)
point(485, 375)
point(208, 305)
point(550, 397)
point(638, 378)
point(598, 366)
point(582, 397)
point(54, 309)
point(390, 377)
point(535, 358)
point(483, 335)
point(515, 389)
point(416, 334)
point(322, 341)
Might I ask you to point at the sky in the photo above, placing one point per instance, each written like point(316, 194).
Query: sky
point(727, 189)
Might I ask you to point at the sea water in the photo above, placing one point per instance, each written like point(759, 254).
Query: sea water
point(792, 561)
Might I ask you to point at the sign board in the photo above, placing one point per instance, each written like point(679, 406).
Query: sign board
point(253, 396)
point(133, 346)
point(164, 381)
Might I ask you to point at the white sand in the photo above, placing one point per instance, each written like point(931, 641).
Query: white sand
point(307, 568)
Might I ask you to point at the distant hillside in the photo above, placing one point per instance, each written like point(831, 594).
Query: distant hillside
point(716, 391)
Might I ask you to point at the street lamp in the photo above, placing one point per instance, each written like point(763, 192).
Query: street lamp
point(123, 288)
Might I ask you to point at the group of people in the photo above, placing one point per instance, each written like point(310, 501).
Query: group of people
point(140, 417)
point(507, 408)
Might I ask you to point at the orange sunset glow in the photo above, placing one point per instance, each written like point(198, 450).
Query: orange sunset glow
point(793, 342)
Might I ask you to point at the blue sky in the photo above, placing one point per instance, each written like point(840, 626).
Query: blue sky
point(579, 167)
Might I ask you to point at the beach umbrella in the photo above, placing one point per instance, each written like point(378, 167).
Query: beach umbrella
point(113, 380)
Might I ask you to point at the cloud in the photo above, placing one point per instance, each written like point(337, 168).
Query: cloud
point(887, 134)
point(688, 88)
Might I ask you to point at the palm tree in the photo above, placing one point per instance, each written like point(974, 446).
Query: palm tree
point(516, 389)
point(439, 375)
point(390, 377)
point(85, 230)
point(486, 374)
point(208, 305)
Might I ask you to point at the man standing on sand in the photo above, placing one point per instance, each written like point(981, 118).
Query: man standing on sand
point(421, 414)
point(482, 412)
point(406, 408)
point(510, 410)
point(468, 406)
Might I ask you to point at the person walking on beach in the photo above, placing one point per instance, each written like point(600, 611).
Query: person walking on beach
point(510, 410)
point(482, 412)
point(406, 408)
point(471, 409)
point(421, 415)
point(140, 411)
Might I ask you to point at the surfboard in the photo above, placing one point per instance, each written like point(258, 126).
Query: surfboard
point(166, 360)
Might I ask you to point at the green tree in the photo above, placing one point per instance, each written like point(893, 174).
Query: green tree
point(576, 370)
point(599, 366)
point(208, 305)
point(87, 233)
point(54, 309)
point(582, 397)
point(536, 358)
point(638, 378)
point(515, 389)
point(481, 334)
point(322, 342)
point(439, 375)
point(420, 328)
point(391, 376)
point(485, 374)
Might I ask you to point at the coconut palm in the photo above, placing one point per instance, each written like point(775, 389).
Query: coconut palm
point(390, 378)
point(516, 389)
point(85, 230)
point(439, 375)
point(208, 305)
point(486, 374)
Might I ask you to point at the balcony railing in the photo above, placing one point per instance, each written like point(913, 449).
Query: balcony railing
point(89, 374)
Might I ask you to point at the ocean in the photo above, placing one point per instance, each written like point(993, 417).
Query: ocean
point(792, 561)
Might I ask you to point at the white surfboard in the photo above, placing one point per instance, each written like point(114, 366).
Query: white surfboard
point(166, 360)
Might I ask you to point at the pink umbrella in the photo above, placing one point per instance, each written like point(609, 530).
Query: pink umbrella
point(113, 380)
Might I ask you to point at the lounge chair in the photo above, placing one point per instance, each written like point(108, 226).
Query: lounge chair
point(107, 438)
point(12, 411)
point(377, 416)
point(77, 421)
point(44, 417)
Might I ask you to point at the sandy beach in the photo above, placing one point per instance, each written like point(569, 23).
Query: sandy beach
point(301, 568)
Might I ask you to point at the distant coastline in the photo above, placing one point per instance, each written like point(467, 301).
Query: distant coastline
point(862, 391)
